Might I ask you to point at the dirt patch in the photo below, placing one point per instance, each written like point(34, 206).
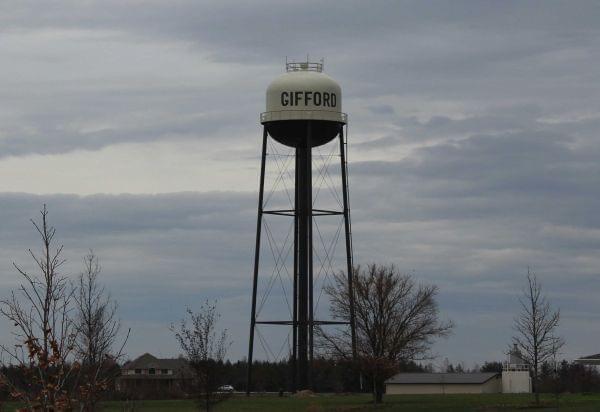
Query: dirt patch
point(304, 394)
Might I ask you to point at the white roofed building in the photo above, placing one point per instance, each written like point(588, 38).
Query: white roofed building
point(589, 360)
point(443, 383)
point(515, 378)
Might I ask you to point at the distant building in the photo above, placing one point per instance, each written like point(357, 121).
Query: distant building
point(151, 377)
point(516, 376)
point(443, 383)
point(589, 360)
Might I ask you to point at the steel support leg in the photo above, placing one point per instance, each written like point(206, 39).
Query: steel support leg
point(348, 231)
point(304, 214)
point(256, 260)
point(295, 287)
point(309, 218)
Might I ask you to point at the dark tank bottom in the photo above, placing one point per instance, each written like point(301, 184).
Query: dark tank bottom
point(293, 133)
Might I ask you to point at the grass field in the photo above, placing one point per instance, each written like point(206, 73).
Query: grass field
point(418, 403)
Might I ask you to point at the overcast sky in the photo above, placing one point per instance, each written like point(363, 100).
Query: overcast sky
point(473, 148)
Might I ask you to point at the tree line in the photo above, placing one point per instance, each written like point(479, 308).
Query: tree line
point(329, 376)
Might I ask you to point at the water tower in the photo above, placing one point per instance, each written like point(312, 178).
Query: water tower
point(303, 112)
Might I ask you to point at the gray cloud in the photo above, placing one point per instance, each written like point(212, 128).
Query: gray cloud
point(535, 175)
point(378, 143)
point(382, 109)
point(511, 54)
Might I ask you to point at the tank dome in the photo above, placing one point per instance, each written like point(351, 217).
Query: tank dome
point(302, 98)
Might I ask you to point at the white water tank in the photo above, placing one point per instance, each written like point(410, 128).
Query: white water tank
point(303, 95)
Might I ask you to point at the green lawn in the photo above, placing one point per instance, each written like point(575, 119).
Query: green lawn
point(437, 403)
point(418, 403)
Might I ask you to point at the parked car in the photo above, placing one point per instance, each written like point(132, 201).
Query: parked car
point(226, 388)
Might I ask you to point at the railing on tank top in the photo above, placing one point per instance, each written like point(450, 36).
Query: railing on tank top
point(303, 67)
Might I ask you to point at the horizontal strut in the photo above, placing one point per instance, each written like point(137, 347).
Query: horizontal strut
point(290, 322)
point(315, 212)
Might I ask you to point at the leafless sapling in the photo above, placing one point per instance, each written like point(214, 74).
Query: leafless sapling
point(204, 347)
point(535, 328)
point(40, 311)
point(98, 329)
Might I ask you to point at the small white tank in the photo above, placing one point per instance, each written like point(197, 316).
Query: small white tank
point(516, 377)
point(304, 93)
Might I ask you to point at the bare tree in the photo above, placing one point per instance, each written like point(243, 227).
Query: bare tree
point(98, 327)
point(395, 320)
point(204, 348)
point(535, 327)
point(44, 332)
